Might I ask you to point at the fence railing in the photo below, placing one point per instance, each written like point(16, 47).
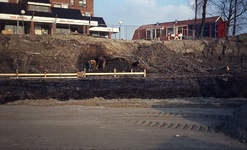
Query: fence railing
point(83, 74)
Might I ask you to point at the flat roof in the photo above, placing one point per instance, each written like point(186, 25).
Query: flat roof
point(61, 13)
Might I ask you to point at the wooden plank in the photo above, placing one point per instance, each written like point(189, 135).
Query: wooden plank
point(78, 74)
point(16, 73)
point(115, 73)
point(85, 72)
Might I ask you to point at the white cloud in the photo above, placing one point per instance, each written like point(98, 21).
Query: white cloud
point(142, 12)
point(141, 2)
point(148, 11)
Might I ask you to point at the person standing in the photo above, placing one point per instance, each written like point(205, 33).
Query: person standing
point(91, 65)
point(101, 60)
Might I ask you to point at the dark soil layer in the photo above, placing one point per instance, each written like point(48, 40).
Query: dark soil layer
point(236, 125)
point(160, 88)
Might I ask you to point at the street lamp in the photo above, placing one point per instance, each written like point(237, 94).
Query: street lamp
point(23, 12)
point(120, 22)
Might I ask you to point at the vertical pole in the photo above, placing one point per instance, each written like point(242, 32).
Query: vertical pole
point(109, 35)
point(17, 74)
point(115, 73)
point(17, 31)
point(87, 30)
point(69, 29)
point(54, 28)
point(60, 68)
point(84, 73)
point(125, 32)
point(84, 29)
point(139, 33)
point(144, 73)
point(120, 32)
point(32, 27)
point(45, 74)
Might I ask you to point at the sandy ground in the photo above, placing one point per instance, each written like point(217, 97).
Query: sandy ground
point(139, 124)
point(136, 102)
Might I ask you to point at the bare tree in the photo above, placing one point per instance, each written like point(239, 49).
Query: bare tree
point(196, 6)
point(203, 16)
point(200, 6)
point(234, 11)
point(235, 18)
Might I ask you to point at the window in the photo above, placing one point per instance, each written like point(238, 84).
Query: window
point(88, 14)
point(169, 30)
point(39, 8)
point(153, 34)
point(57, 6)
point(72, 2)
point(148, 34)
point(6, 1)
point(65, 6)
point(83, 3)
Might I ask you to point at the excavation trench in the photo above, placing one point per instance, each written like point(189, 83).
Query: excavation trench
point(122, 87)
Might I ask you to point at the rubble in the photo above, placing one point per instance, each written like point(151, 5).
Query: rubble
point(236, 125)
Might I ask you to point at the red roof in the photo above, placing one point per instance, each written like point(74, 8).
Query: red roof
point(185, 22)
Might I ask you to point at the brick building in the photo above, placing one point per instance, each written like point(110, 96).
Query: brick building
point(215, 27)
point(85, 6)
point(51, 17)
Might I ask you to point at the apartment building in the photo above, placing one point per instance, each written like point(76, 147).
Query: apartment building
point(40, 17)
point(85, 6)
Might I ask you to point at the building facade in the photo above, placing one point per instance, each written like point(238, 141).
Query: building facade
point(215, 27)
point(85, 6)
point(39, 17)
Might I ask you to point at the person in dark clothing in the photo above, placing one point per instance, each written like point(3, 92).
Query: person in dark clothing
point(101, 60)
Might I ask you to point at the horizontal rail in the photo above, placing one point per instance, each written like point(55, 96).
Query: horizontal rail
point(115, 73)
point(45, 77)
point(41, 74)
point(68, 75)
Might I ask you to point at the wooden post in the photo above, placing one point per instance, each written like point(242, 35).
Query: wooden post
point(54, 28)
point(131, 71)
point(88, 30)
point(32, 28)
point(144, 73)
point(45, 74)
point(84, 73)
point(115, 73)
point(17, 74)
point(109, 35)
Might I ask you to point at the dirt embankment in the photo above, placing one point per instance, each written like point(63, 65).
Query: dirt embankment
point(174, 68)
point(70, 53)
point(144, 88)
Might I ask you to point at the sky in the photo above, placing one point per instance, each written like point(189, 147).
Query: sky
point(140, 12)
point(133, 13)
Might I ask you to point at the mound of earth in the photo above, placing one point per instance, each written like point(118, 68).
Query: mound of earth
point(236, 125)
point(70, 53)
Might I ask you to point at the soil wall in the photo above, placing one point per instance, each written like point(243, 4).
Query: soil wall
point(70, 53)
point(146, 88)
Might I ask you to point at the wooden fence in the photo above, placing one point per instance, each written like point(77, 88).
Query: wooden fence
point(83, 74)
